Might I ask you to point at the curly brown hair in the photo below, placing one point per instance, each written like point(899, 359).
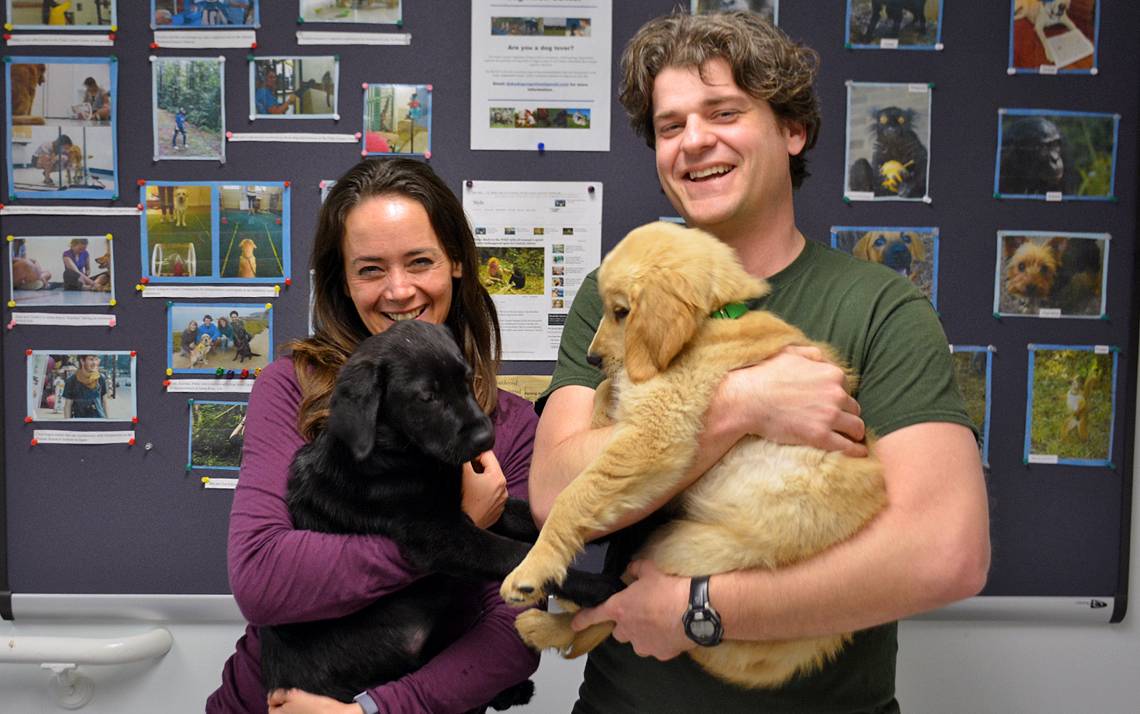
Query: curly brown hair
point(339, 329)
point(765, 63)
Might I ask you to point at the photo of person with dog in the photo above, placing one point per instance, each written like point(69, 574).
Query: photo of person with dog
point(61, 270)
point(888, 141)
point(62, 119)
point(57, 15)
point(376, 12)
point(1043, 274)
point(96, 386)
point(1072, 404)
point(397, 119)
point(254, 232)
point(911, 252)
point(188, 108)
point(196, 345)
point(894, 24)
point(216, 434)
point(973, 368)
point(293, 87)
point(1055, 154)
point(393, 256)
point(204, 14)
point(177, 231)
point(726, 102)
point(1053, 36)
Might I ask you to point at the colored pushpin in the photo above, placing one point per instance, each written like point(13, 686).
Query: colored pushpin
point(27, 420)
point(166, 382)
point(35, 442)
point(138, 287)
point(12, 324)
point(288, 183)
point(219, 371)
point(28, 352)
point(134, 353)
point(357, 135)
point(427, 155)
point(268, 306)
point(169, 371)
point(288, 282)
point(113, 321)
point(205, 480)
point(134, 420)
point(141, 182)
point(541, 147)
point(131, 441)
point(11, 303)
point(144, 280)
point(244, 373)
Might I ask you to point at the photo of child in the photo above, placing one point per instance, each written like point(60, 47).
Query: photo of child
point(61, 270)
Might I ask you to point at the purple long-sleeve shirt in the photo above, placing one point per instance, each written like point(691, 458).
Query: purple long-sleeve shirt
point(280, 575)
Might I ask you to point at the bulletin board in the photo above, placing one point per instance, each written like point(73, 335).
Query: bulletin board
point(135, 518)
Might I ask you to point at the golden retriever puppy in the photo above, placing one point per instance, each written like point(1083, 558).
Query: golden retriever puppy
point(25, 81)
point(200, 350)
point(763, 505)
point(181, 206)
point(247, 263)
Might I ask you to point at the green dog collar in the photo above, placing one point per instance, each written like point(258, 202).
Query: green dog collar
point(731, 311)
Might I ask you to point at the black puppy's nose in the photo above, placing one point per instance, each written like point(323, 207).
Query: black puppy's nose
point(594, 360)
point(481, 436)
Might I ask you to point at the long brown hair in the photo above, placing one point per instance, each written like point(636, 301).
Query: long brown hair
point(339, 329)
point(765, 63)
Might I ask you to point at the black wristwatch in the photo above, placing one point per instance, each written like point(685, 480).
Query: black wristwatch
point(701, 622)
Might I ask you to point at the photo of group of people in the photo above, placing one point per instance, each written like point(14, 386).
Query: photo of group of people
point(189, 108)
point(215, 232)
point(62, 14)
point(909, 251)
point(217, 432)
point(61, 270)
point(1072, 404)
point(376, 12)
point(72, 386)
point(293, 87)
point(1055, 154)
point(228, 336)
point(61, 127)
point(207, 14)
point(397, 119)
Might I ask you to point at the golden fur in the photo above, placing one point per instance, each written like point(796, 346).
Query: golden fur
point(247, 263)
point(181, 206)
point(74, 162)
point(200, 350)
point(870, 249)
point(764, 505)
point(1030, 269)
point(26, 79)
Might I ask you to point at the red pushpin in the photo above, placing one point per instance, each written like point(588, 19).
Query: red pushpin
point(35, 442)
point(131, 441)
point(288, 282)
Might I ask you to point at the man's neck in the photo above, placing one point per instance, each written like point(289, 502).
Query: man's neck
point(764, 248)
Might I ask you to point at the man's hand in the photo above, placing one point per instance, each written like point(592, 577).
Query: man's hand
point(484, 490)
point(647, 614)
point(296, 701)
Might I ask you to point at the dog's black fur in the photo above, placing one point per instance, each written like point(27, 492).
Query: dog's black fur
point(403, 421)
point(242, 350)
point(894, 10)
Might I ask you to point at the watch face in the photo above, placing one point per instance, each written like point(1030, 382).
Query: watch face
point(702, 628)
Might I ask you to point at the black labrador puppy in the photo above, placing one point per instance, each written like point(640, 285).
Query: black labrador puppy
point(403, 421)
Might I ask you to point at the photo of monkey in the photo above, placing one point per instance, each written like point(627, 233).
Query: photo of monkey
point(1054, 154)
point(1072, 407)
point(894, 24)
point(1042, 274)
point(1053, 36)
point(888, 139)
point(910, 252)
point(973, 370)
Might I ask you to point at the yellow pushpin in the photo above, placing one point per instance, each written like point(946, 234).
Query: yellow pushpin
point(276, 289)
point(110, 237)
point(8, 26)
point(205, 479)
point(138, 287)
point(11, 238)
point(11, 303)
point(113, 302)
point(114, 28)
point(268, 306)
point(169, 371)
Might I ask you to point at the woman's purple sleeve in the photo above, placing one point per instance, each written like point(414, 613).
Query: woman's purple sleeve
point(279, 574)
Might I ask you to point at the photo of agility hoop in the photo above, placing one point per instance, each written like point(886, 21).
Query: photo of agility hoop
point(177, 231)
point(1056, 155)
point(767, 9)
point(973, 369)
point(60, 122)
point(397, 119)
point(894, 24)
point(1043, 274)
point(1054, 36)
point(217, 431)
point(909, 251)
point(189, 108)
point(56, 15)
point(204, 14)
point(888, 142)
point(205, 337)
point(373, 12)
point(293, 87)
point(59, 271)
point(1072, 404)
point(67, 385)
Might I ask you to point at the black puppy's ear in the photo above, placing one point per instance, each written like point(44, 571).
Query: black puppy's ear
point(355, 404)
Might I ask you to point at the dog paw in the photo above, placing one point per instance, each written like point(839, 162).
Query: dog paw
point(525, 585)
point(545, 630)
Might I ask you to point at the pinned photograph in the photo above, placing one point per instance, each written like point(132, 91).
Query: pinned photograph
point(528, 386)
point(204, 14)
point(177, 240)
point(888, 141)
point(894, 24)
point(536, 117)
point(71, 386)
point(540, 26)
point(373, 12)
point(1056, 155)
point(217, 432)
point(1043, 274)
point(910, 252)
point(61, 127)
point(973, 370)
point(253, 232)
point(293, 87)
point(1072, 407)
point(206, 337)
point(1054, 36)
point(397, 119)
point(767, 9)
point(511, 271)
point(189, 108)
point(55, 15)
point(61, 271)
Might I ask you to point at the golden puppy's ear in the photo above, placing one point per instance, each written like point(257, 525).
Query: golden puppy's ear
point(862, 249)
point(659, 324)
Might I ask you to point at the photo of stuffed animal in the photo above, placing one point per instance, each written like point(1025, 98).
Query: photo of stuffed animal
point(26, 80)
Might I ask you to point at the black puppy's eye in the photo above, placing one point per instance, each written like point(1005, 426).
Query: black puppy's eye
point(427, 396)
point(620, 313)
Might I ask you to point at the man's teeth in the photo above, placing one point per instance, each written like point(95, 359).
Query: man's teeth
point(401, 316)
point(710, 171)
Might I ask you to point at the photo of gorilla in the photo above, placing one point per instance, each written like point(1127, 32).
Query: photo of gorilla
point(1043, 154)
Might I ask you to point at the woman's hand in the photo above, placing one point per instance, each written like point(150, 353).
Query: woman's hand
point(484, 489)
point(795, 397)
point(296, 701)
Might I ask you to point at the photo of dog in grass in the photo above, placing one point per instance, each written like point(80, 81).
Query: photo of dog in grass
point(1051, 274)
point(664, 354)
point(1072, 404)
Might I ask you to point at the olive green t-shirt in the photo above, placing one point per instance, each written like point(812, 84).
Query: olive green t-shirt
point(888, 333)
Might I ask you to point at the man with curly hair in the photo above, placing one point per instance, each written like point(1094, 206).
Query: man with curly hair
point(728, 105)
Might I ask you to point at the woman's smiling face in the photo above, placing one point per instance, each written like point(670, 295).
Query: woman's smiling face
point(394, 264)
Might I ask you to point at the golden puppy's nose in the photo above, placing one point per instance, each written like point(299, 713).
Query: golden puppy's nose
point(595, 360)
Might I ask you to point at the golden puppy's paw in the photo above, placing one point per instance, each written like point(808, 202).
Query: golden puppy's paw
point(545, 630)
point(525, 585)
